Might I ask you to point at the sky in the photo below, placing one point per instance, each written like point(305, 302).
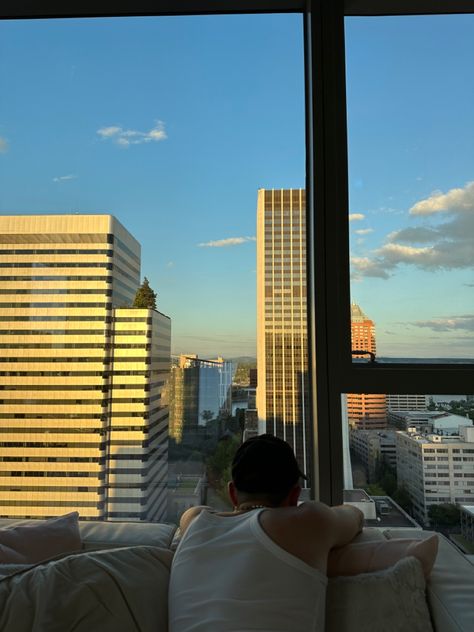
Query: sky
point(173, 124)
point(411, 173)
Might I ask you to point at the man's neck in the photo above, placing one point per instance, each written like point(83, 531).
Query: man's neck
point(249, 505)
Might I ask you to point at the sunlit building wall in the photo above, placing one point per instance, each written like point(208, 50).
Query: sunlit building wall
point(137, 446)
point(364, 410)
point(282, 340)
point(61, 278)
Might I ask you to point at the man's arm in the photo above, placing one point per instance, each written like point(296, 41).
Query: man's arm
point(367, 557)
point(347, 522)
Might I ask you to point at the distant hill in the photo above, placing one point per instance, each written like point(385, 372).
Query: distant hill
point(243, 360)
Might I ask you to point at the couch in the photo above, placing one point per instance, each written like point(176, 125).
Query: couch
point(118, 581)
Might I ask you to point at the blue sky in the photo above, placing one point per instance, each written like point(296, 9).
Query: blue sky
point(411, 167)
point(223, 100)
point(172, 124)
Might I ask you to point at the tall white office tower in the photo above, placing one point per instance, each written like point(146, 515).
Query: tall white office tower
point(82, 426)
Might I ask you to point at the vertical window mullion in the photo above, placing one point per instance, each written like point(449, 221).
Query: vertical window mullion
point(328, 243)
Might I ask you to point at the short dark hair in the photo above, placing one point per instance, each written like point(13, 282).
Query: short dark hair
point(267, 466)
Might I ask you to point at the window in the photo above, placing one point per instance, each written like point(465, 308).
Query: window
point(179, 162)
point(410, 372)
point(329, 286)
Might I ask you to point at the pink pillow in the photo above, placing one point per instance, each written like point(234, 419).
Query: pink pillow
point(30, 543)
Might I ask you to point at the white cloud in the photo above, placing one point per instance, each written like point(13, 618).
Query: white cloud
point(170, 264)
point(363, 266)
point(454, 201)
point(107, 132)
point(127, 137)
point(354, 217)
point(449, 323)
point(3, 145)
point(447, 244)
point(415, 235)
point(223, 243)
point(70, 176)
point(364, 231)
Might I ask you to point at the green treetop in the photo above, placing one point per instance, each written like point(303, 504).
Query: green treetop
point(145, 298)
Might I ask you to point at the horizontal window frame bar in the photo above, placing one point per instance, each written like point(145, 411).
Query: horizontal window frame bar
point(429, 379)
point(406, 7)
point(54, 9)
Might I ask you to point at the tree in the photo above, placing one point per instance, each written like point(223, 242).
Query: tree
point(145, 298)
point(219, 463)
point(375, 490)
point(386, 477)
point(402, 497)
point(444, 515)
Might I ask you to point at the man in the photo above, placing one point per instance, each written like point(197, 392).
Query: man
point(264, 566)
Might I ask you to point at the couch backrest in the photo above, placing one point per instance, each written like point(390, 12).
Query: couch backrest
point(450, 589)
point(96, 534)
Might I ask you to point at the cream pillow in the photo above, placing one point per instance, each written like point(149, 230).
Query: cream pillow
point(391, 600)
point(30, 543)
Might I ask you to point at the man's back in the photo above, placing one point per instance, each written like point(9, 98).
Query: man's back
point(228, 574)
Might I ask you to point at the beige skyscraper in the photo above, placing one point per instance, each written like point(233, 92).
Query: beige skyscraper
point(282, 356)
point(82, 424)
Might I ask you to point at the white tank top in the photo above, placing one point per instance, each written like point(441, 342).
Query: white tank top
point(229, 576)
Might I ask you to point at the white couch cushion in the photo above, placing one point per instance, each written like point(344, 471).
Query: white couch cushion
point(101, 535)
point(98, 534)
point(116, 590)
point(33, 542)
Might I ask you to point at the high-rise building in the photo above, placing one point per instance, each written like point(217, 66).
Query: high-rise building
point(364, 410)
point(436, 469)
point(82, 424)
point(282, 339)
point(200, 391)
point(374, 447)
point(137, 446)
point(407, 402)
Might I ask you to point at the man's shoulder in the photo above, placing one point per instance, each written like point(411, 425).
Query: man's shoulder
point(306, 516)
point(304, 531)
point(308, 511)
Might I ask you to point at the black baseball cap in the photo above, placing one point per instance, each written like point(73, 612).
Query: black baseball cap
point(265, 464)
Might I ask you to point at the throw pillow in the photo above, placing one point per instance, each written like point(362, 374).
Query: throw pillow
point(30, 543)
point(391, 600)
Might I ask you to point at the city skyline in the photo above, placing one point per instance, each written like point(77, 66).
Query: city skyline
point(172, 124)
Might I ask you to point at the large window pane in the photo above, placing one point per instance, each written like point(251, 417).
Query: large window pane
point(132, 148)
point(411, 152)
point(415, 461)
